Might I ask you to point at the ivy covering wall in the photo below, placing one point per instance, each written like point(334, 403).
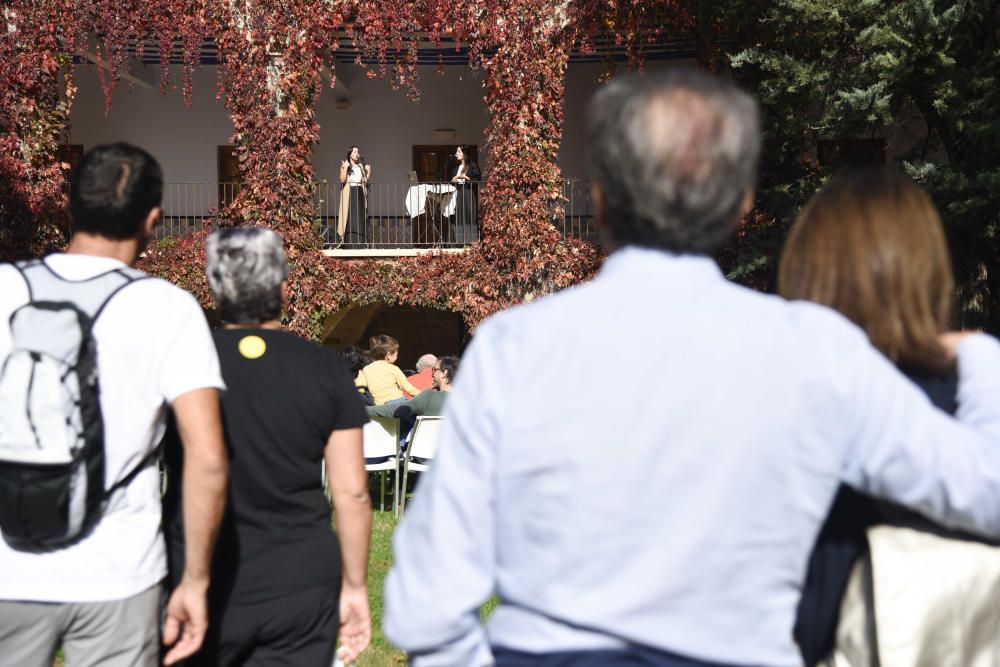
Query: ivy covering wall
point(271, 54)
point(924, 75)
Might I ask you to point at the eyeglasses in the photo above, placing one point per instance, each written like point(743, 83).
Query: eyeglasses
point(437, 369)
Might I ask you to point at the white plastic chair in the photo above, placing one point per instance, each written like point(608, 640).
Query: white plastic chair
point(421, 448)
point(381, 438)
point(381, 448)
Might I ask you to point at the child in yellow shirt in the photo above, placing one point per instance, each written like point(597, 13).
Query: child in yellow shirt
point(382, 377)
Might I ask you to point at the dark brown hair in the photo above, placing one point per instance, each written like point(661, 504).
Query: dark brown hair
point(870, 245)
point(381, 346)
point(449, 366)
point(113, 189)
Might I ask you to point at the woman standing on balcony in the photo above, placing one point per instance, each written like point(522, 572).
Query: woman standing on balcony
point(352, 217)
point(465, 223)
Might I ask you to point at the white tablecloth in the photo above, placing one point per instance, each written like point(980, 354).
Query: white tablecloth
point(416, 198)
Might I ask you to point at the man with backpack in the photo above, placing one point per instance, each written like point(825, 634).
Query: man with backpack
point(93, 355)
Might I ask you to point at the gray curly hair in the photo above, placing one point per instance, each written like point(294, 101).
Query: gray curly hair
point(245, 269)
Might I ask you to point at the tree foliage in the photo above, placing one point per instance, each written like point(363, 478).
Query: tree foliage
point(924, 75)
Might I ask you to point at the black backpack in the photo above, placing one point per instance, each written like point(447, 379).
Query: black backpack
point(51, 430)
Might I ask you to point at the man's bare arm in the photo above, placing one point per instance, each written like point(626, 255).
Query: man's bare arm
point(206, 472)
point(349, 489)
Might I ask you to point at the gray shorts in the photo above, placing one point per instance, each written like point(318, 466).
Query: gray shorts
point(119, 633)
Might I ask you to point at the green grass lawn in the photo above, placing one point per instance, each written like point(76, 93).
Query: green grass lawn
point(381, 653)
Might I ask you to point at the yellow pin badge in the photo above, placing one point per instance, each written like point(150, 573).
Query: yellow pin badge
point(252, 347)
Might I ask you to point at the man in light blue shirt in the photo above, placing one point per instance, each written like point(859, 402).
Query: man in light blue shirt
point(674, 517)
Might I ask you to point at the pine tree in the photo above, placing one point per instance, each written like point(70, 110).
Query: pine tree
point(837, 78)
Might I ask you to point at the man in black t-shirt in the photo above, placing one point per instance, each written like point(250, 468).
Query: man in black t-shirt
point(290, 405)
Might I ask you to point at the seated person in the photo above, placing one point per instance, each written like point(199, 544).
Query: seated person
point(382, 377)
point(356, 360)
point(429, 403)
point(424, 377)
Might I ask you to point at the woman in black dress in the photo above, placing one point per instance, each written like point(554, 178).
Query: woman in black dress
point(465, 223)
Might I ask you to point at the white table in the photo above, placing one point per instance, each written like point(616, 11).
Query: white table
point(416, 198)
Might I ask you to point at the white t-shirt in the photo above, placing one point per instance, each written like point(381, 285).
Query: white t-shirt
point(153, 345)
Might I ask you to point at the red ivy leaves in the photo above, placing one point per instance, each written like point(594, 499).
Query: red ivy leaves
point(33, 37)
point(272, 53)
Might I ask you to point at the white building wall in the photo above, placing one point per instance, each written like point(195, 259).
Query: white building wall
point(183, 139)
point(581, 83)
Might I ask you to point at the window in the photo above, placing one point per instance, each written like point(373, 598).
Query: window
point(230, 178)
point(68, 154)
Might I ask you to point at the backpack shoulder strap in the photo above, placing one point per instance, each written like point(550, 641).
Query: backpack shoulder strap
point(146, 460)
point(89, 295)
point(129, 276)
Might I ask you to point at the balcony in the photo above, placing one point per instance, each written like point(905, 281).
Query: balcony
point(402, 219)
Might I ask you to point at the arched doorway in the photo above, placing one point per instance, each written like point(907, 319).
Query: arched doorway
point(419, 330)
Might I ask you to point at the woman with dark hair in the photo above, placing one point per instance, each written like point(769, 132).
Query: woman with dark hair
point(465, 223)
point(871, 246)
point(356, 360)
point(352, 218)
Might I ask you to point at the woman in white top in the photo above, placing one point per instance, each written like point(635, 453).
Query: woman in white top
point(353, 214)
point(465, 223)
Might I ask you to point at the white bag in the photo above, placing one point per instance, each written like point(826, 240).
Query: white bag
point(929, 601)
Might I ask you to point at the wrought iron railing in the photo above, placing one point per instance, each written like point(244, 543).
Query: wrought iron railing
point(398, 216)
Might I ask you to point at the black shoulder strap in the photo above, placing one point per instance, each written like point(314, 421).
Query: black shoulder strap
point(871, 624)
point(147, 460)
point(154, 454)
